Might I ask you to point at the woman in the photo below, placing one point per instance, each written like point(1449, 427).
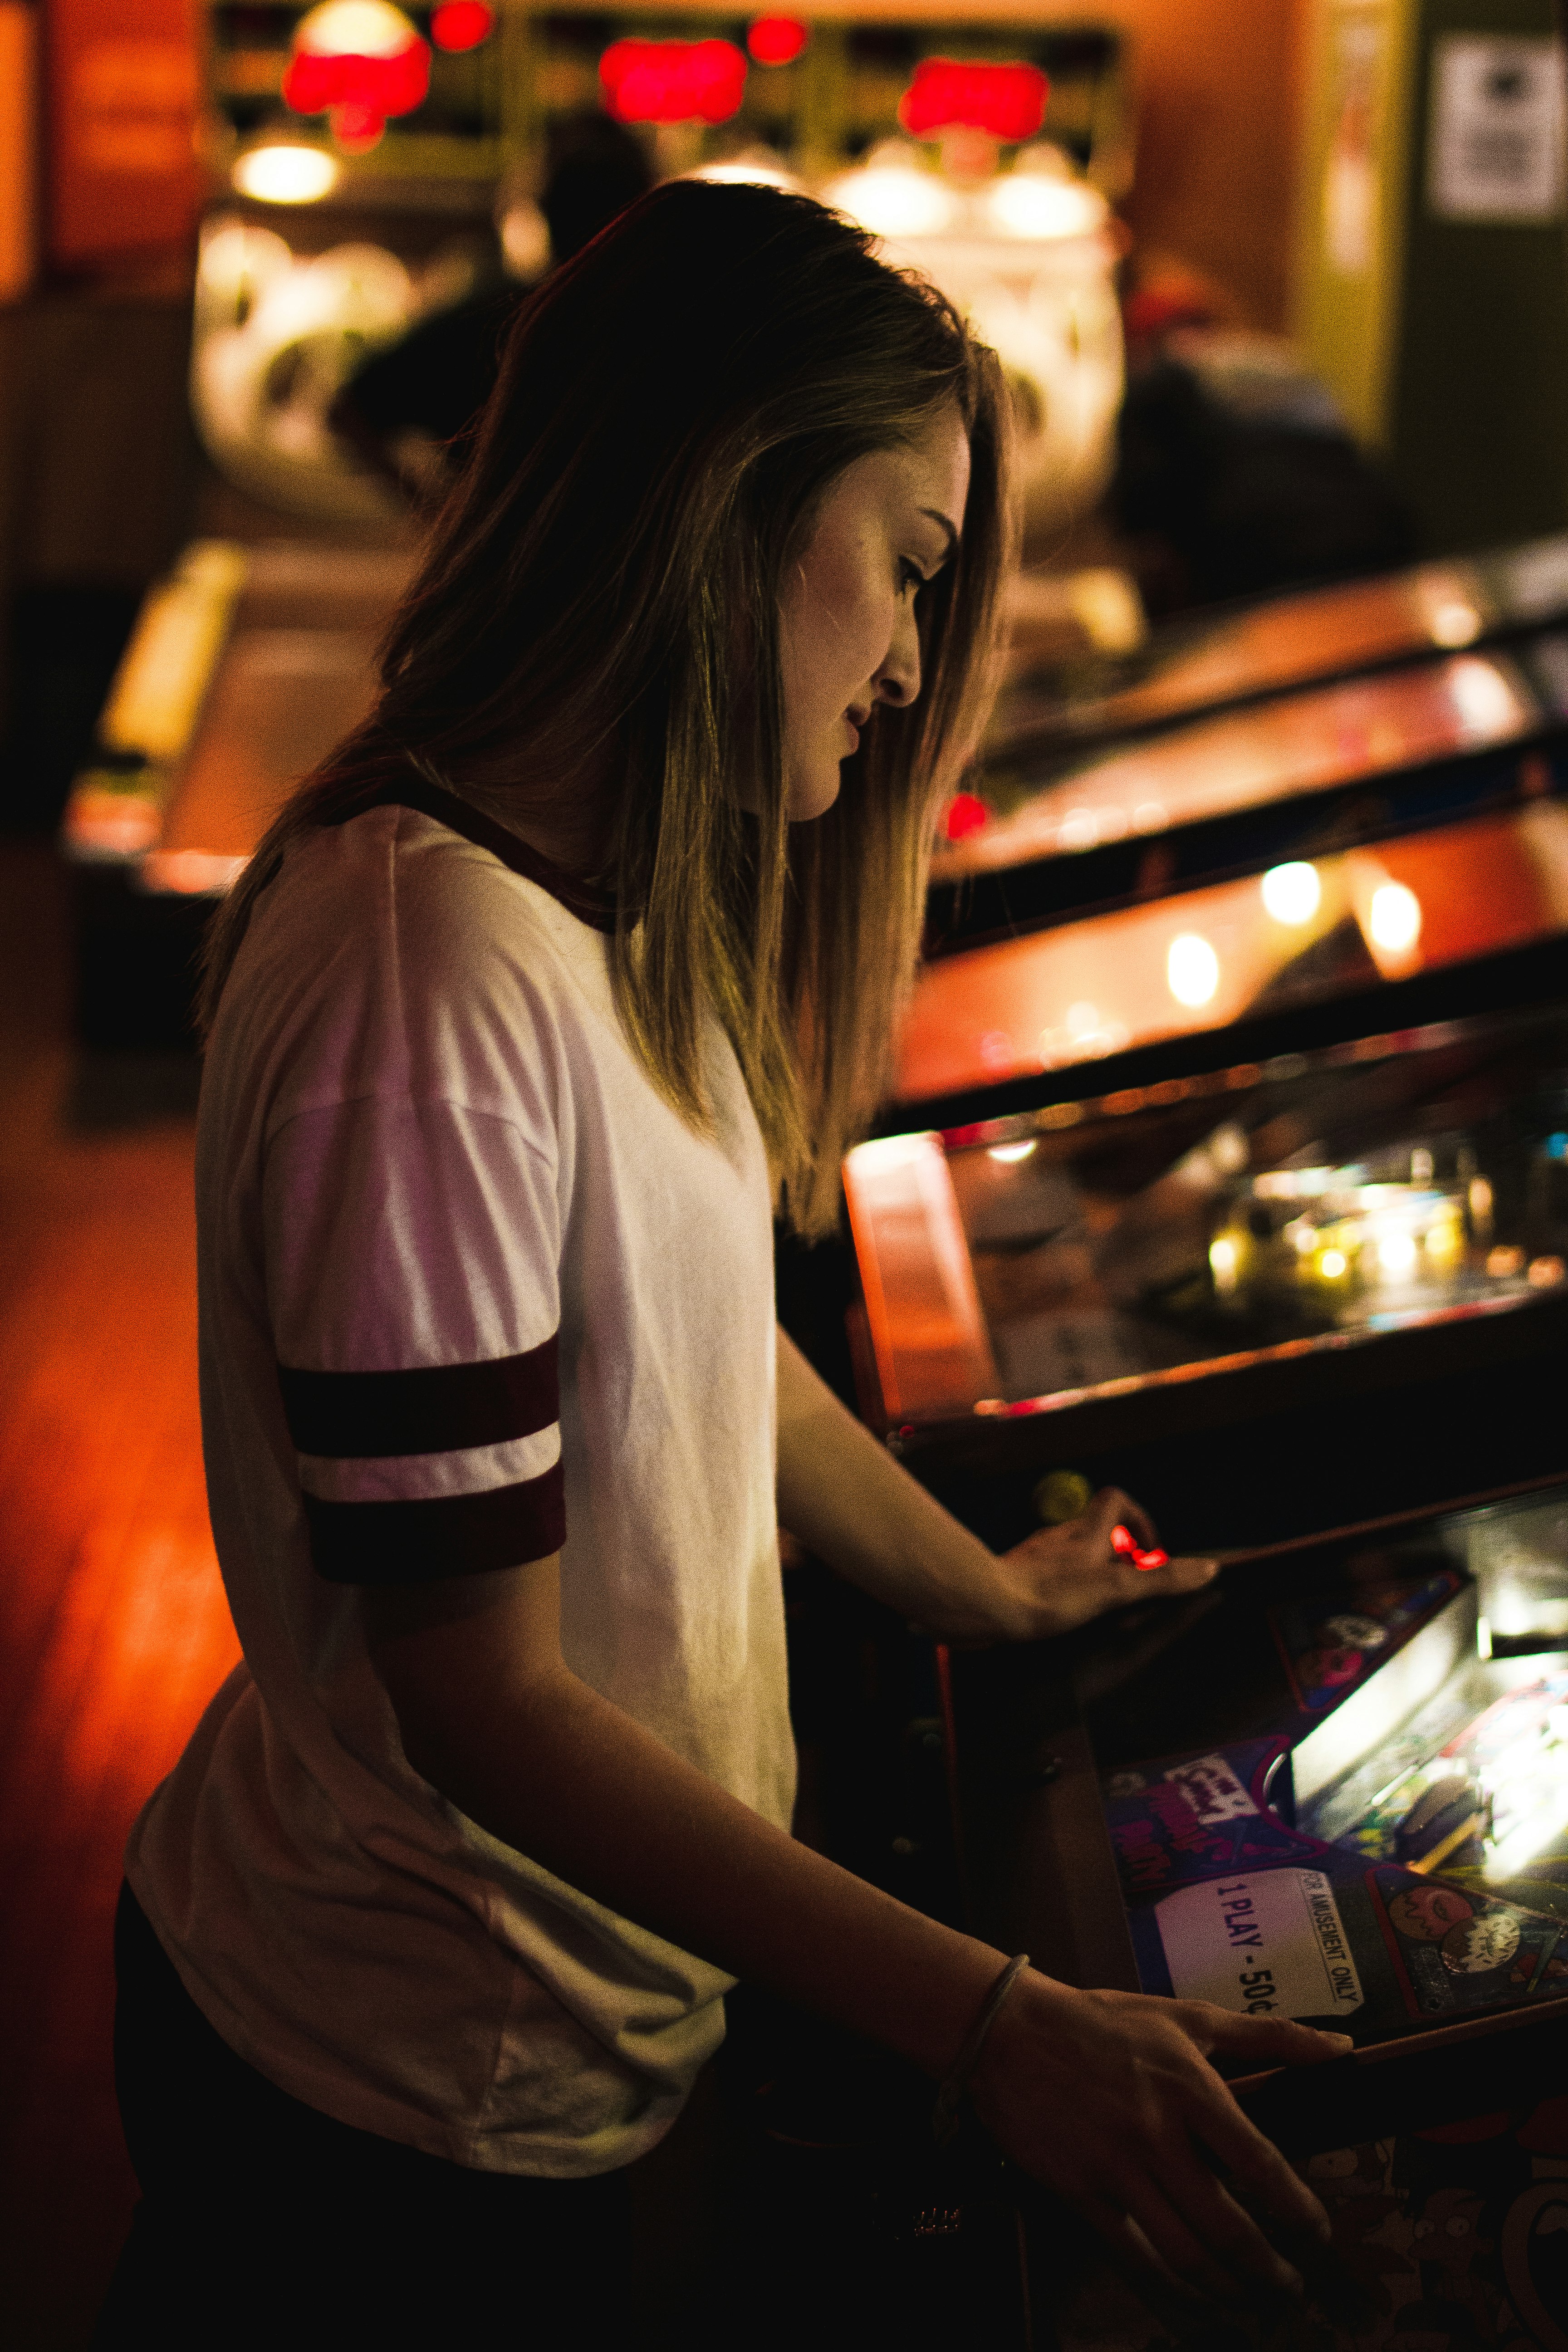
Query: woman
point(582, 953)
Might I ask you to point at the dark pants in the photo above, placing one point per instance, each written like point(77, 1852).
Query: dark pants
point(263, 2222)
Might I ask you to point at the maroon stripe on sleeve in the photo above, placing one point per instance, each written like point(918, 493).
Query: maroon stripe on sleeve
point(437, 1409)
point(449, 1535)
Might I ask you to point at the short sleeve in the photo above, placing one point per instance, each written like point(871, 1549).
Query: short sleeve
point(412, 1255)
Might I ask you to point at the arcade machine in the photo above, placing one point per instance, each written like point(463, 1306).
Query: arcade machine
point(1217, 660)
point(1268, 779)
point(1334, 1786)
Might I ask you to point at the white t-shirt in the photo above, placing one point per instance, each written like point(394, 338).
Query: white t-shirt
point(470, 1293)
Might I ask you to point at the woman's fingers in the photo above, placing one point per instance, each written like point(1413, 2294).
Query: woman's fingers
point(1176, 1576)
point(1261, 2173)
point(1229, 2234)
point(1132, 2254)
point(1264, 2041)
point(1110, 1508)
point(1156, 2239)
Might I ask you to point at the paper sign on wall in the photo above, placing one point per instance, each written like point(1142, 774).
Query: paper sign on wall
point(1269, 1943)
point(1498, 129)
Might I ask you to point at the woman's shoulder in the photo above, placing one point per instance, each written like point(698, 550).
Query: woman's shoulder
point(393, 884)
point(391, 955)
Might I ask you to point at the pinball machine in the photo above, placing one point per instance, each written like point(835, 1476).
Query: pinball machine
point(1333, 1786)
point(1221, 757)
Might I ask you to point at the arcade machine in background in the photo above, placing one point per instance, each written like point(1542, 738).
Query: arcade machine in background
point(245, 666)
point(1223, 755)
point(1291, 953)
point(1141, 680)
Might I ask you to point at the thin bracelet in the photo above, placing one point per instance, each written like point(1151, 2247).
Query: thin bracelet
point(955, 2082)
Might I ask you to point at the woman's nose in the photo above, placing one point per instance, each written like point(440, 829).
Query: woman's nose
point(899, 679)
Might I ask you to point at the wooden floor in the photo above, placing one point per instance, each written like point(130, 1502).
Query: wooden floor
point(114, 1628)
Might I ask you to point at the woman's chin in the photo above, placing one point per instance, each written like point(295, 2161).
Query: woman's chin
point(813, 793)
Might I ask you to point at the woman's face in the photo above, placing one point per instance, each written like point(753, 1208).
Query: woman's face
point(847, 612)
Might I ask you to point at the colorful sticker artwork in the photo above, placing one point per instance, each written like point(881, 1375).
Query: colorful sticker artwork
point(1457, 1947)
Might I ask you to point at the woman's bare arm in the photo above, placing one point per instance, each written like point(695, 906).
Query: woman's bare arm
point(843, 1495)
point(1104, 2096)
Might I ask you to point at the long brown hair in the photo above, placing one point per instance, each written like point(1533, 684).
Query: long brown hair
point(603, 583)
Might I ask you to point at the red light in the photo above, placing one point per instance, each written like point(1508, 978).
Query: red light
point(777, 40)
point(458, 25)
point(1007, 101)
point(357, 129)
point(369, 86)
point(1123, 1540)
point(673, 81)
point(966, 813)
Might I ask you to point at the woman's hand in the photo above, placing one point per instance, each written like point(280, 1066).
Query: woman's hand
point(1061, 1577)
point(1106, 2098)
point(843, 1495)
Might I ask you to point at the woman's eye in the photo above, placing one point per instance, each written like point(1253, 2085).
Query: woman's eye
point(911, 577)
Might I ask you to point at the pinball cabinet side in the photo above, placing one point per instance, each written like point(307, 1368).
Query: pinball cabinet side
point(1369, 1728)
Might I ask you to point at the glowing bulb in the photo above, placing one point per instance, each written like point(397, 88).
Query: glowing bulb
point(1395, 919)
point(1483, 698)
point(1010, 1153)
point(1192, 969)
point(354, 29)
point(761, 169)
point(460, 25)
point(1333, 1263)
point(1026, 204)
point(1396, 1253)
point(777, 40)
point(892, 196)
point(1293, 893)
point(1222, 1263)
point(1454, 622)
point(289, 173)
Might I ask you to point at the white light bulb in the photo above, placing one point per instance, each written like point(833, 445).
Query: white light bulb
point(289, 173)
point(1293, 893)
point(1192, 969)
point(1009, 1153)
point(1455, 623)
point(1396, 1251)
point(1395, 918)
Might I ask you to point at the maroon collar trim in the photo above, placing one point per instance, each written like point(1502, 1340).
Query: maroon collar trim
point(410, 789)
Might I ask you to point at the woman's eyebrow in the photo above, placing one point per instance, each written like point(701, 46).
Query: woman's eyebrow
point(936, 515)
